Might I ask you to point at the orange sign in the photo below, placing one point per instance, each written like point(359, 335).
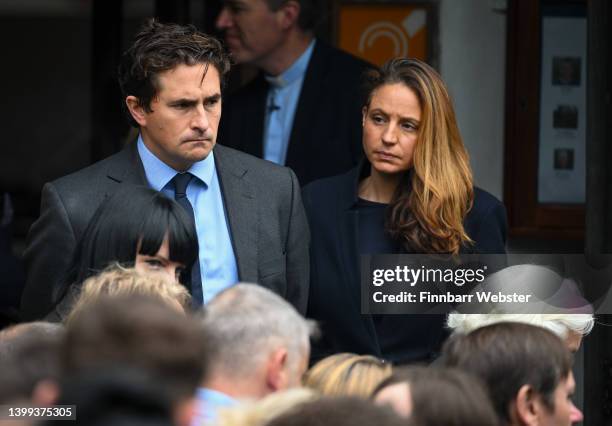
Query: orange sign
point(378, 33)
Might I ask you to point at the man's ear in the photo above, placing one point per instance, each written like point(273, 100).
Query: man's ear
point(136, 110)
point(289, 14)
point(184, 412)
point(45, 393)
point(276, 372)
point(527, 407)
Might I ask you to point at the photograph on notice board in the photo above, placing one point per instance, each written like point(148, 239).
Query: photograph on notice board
point(566, 71)
point(564, 159)
point(565, 117)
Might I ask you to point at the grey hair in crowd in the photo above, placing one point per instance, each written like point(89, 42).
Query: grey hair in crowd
point(560, 324)
point(561, 317)
point(245, 322)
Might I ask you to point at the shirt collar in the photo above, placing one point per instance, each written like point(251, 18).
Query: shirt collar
point(159, 173)
point(216, 397)
point(295, 71)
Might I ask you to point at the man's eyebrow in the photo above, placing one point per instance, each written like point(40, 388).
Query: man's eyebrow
point(183, 101)
point(214, 97)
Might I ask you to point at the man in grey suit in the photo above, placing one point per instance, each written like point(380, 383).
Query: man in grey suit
point(248, 212)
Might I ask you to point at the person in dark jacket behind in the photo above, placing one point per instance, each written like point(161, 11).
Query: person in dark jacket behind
point(302, 109)
point(414, 194)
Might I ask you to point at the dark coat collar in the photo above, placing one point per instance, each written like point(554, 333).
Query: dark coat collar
point(126, 166)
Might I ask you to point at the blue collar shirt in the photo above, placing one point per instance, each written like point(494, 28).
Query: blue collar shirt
point(218, 265)
point(281, 105)
point(208, 404)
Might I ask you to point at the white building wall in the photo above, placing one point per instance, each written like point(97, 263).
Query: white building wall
point(472, 63)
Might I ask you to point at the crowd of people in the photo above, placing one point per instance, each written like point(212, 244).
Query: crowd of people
point(187, 282)
point(132, 350)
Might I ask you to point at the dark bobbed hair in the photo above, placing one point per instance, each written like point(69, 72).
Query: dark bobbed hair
point(462, 396)
point(506, 356)
point(161, 47)
point(310, 12)
point(133, 219)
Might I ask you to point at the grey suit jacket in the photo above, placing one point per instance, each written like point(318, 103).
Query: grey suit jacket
point(262, 202)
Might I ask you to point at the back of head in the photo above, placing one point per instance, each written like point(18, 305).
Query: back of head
point(137, 332)
point(564, 312)
point(264, 410)
point(438, 397)
point(560, 324)
point(507, 356)
point(117, 281)
point(245, 323)
point(161, 47)
point(347, 374)
point(29, 354)
point(338, 411)
point(117, 397)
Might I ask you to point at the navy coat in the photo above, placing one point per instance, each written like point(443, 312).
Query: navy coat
point(335, 298)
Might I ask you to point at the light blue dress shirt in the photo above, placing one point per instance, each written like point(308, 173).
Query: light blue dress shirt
point(218, 266)
point(281, 104)
point(208, 404)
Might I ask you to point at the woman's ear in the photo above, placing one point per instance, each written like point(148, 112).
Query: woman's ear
point(364, 114)
point(136, 110)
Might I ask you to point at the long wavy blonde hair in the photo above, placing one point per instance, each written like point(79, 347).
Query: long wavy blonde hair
point(427, 212)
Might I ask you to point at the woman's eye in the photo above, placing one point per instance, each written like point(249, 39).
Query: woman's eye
point(378, 119)
point(179, 273)
point(410, 127)
point(154, 263)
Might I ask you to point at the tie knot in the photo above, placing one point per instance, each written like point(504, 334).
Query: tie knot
point(277, 82)
point(181, 180)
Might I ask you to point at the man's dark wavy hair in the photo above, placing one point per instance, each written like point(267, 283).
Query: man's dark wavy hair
point(161, 47)
point(506, 356)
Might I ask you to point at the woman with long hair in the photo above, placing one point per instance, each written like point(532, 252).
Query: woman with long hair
point(414, 193)
point(136, 226)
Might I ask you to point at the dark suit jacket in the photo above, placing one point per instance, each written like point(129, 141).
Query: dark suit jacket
point(326, 135)
point(262, 202)
point(335, 297)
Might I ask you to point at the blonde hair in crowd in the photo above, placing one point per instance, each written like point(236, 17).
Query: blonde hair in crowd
point(120, 281)
point(260, 412)
point(347, 374)
point(428, 211)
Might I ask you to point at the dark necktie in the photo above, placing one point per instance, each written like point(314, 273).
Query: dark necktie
point(181, 180)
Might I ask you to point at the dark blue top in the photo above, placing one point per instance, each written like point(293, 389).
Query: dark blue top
point(342, 227)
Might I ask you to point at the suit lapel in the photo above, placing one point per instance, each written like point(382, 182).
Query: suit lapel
point(241, 211)
point(127, 167)
point(348, 237)
point(306, 110)
point(253, 124)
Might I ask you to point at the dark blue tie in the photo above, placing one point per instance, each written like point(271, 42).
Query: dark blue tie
point(181, 180)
